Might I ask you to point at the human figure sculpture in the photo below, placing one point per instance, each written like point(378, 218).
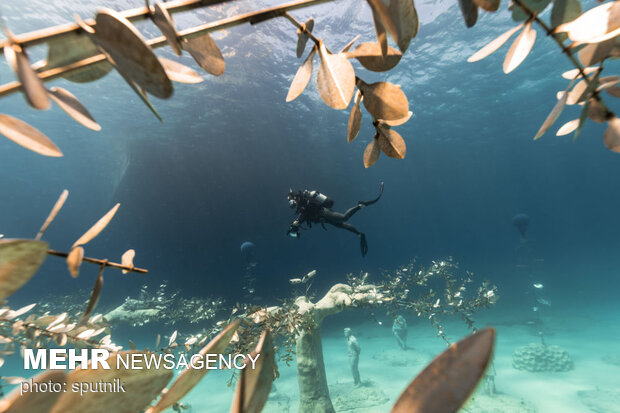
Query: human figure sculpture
point(399, 329)
point(354, 355)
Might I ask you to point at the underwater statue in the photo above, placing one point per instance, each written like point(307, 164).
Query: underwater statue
point(247, 252)
point(521, 221)
point(312, 207)
point(399, 329)
point(354, 355)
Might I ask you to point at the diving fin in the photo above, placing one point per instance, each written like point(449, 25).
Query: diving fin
point(366, 203)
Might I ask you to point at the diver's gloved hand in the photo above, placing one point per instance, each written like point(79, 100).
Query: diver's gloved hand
point(363, 244)
point(293, 231)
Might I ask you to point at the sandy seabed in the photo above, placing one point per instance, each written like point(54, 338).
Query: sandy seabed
point(592, 339)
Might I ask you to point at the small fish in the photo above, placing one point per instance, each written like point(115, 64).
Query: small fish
point(1, 235)
point(544, 302)
point(538, 285)
point(534, 309)
point(436, 303)
point(295, 280)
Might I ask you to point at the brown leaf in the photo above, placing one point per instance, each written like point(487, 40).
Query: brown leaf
point(384, 100)
point(34, 402)
point(165, 24)
point(382, 40)
point(74, 261)
point(406, 22)
point(173, 337)
point(520, 48)
point(383, 21)
point(32, 85)
point(446, 383)
point(607, 82)
point(73, 107)
point(390, 142)
point(348, 46)
point(597, 111)
point(400, 121)
point(469, 11)
point(302, 78)
point(19, 261)
point(518, 14)
point(190, 377)
point(60, 339)
point(72, 48)
point(180, 73)
point(595, 53)
point(355, 118)
point(55, 210)
point(493, 45)
point(555, 113)
point(141, 387)
point(369, 54)
point(97, 228)
point(130, 53)
point(255, 384)
point(94, 296)
point(27, 136)
point(14, 379)
point(595, 25)
point(127, 259)
point(488, 5)
point(564, 11)
point(302, 37)
point(582, 119)
point(21, 311)
point(336, 79)
point(611, 137)
point(372, 152)
point(574, 73)
point(206, 53)
point(568, 127)
point(613, 91)
point(577, 94)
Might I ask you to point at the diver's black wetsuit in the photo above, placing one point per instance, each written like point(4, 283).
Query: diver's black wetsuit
point(314, 208)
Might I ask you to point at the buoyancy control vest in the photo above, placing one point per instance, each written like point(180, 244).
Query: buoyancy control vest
point(317, 198)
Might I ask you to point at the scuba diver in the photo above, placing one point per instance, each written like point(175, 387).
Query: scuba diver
point(312, 207)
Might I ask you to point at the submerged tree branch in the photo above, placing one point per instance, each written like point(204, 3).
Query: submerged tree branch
point(56, 32)
point(99, 262)
point(567, 51)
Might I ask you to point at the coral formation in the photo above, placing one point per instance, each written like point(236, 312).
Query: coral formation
point(537, 358)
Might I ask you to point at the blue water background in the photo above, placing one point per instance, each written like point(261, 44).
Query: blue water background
point(217, 171)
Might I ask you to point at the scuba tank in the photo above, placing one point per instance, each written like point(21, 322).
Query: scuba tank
point(317, 198)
